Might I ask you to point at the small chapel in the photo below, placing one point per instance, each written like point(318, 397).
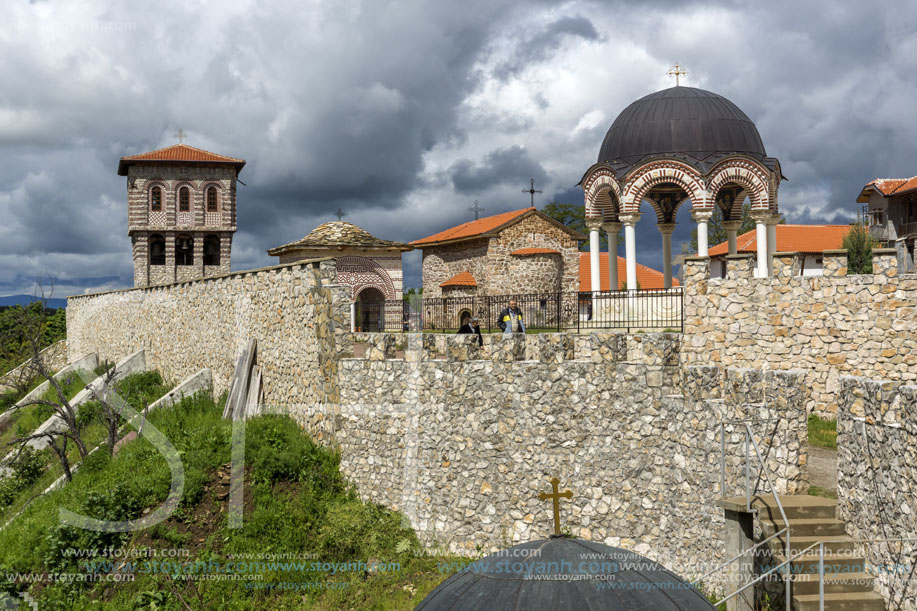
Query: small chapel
point(370, 266)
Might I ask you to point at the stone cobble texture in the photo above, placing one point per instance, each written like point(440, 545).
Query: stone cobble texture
point(877, 477)
point(828, 326)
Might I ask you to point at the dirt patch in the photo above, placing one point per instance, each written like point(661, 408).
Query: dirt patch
point(205, 518)
point(823, 468)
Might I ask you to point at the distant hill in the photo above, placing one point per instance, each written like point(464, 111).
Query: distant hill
point(11, 300)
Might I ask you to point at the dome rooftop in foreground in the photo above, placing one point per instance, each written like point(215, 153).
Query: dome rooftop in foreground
point(693, 124)
point(561, 574)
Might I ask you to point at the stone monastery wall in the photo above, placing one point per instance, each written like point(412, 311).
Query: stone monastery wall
point(206, 323)
point(829, 326)
point(877, 477)
point(463, 440)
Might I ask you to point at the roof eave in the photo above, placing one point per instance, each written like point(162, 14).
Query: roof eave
point(125, 163)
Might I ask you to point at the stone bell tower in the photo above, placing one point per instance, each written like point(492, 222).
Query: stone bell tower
point(181, 204)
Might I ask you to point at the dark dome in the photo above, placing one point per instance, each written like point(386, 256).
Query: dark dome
point(684, 121)
point(567, 574)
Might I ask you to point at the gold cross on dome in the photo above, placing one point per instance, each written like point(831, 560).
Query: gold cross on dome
point(555, 496)
point(180, 135)
point(677, 72)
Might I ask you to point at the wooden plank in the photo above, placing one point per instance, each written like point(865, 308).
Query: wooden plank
point(252, 406)
point(235, 400)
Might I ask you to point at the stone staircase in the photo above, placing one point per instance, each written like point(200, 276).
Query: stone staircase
point(813, 519)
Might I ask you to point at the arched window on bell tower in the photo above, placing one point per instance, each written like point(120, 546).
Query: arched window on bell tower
point(184, 200)
point(213, 203)
point(157, 250)
point(156, 199)
point(184, 249)
point(211, 249)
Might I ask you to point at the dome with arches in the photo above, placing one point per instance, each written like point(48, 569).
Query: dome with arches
point(696, 125)
point(671, 147)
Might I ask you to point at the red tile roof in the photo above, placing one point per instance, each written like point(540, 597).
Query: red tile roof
point(791, 238)
point(647, 277)
point(893, 186)
point(534, 251)
point(473, 228)
point(177, 152)
point(460, 279)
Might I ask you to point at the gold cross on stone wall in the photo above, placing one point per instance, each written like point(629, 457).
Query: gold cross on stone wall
point(676, 72)
point(555, 496)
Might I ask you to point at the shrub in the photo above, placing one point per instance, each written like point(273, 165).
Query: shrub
point(859, 244)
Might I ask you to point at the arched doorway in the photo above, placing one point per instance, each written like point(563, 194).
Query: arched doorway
point(371, 309)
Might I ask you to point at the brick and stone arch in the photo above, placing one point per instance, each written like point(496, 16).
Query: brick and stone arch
point(603, 194)
point(663, 171)
point(744, 173)
point(360, 272)
point(211, 249)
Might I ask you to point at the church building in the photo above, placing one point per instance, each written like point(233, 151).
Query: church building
point(181, 205)
point(518, 252)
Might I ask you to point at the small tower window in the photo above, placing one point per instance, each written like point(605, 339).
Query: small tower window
point(184, 250)
point(212, 250)
point(156, 199)
point(212, 199)
point(184, 200)
point(157, 250)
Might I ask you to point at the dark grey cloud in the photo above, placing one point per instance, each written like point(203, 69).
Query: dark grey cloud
point(513, 165)
point(403, 113)
point(539, 46)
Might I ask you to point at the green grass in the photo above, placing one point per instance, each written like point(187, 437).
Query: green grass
point(819, 491)
point(296, 502)
point(822, 433)
point(137, 389)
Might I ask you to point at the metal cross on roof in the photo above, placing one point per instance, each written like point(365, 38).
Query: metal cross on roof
point(531, 191)
point(476, 209)
point(555, 496)
point(180, 135)
point(677, 72)
point(340, 214)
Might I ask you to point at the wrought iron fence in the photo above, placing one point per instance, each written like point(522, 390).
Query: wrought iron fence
point(650, 310)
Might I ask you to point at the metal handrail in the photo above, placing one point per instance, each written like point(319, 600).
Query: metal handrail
point(821, 567)
point(737, 556)
point(749, 443)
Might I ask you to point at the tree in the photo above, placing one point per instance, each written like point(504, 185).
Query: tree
point(31, 327)
point(859, 244)
point(574, 217)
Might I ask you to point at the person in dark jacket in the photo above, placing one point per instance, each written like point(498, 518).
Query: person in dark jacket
point(472, 325)
point(510, 320)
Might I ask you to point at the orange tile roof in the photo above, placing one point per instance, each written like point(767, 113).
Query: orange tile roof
point(791, 238)
point(460, 279)
point(534, 251)
point(647, 277)
point(893, 186)
point(178, 152)
point(473, 228)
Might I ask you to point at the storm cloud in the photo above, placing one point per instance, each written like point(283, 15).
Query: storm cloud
point(403, 113)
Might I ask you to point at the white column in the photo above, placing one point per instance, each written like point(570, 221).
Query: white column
point(732, 228)
point(594, 274)
point(630, 248)
point(701, 217)
point(771, 240)
point(611, 232)
point(666, 230)
point(761, 237)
